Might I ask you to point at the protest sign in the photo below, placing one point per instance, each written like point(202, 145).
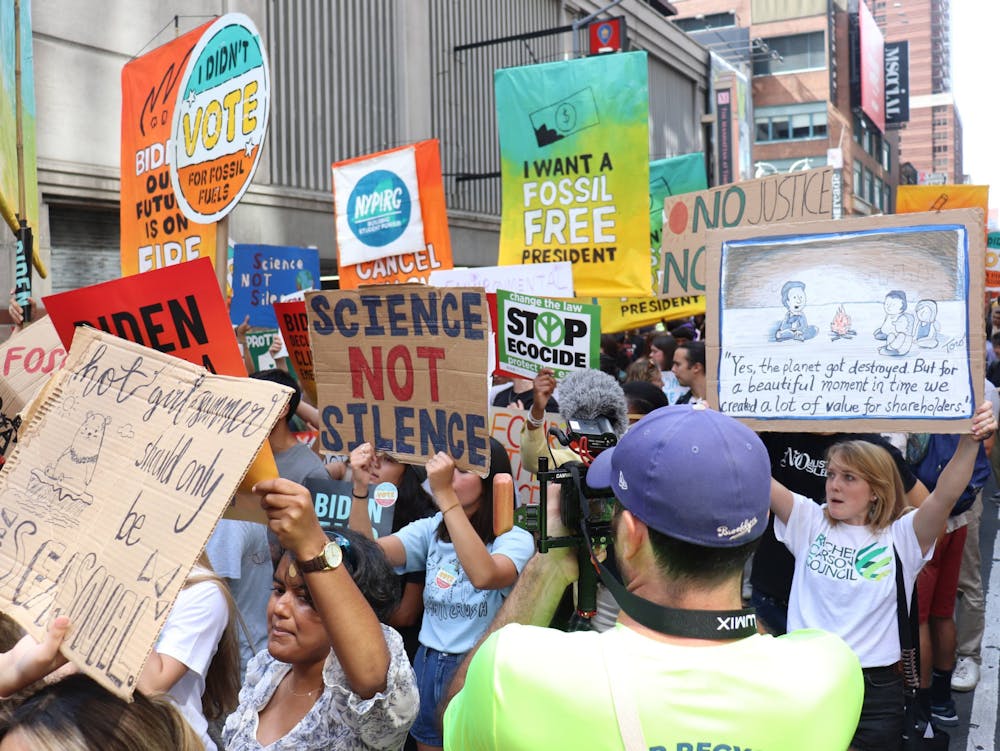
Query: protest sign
point(623, 313)
point(670, 177)
point(332, 500)
point(574, 157)
point(993, 262)
point(539, 332)
point(28, 359)
point(769, 201)
point(114, 486)
point(913, 198)
point(294, 324)
point(220, 119)
point(875, 320)
point(403, 367)
point(154, 231)
point(376, 246)
point(506, 424)
point(178, 310)
point(262, 274)
point(10, 137)
point(259, 343)
point(545, 279)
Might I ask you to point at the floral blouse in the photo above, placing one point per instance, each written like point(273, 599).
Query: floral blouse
point(340, 719)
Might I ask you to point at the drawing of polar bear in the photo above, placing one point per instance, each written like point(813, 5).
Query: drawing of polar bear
point(76, 465)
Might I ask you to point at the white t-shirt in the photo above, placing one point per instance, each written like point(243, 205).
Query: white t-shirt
point(845, 578)
point(191, 635)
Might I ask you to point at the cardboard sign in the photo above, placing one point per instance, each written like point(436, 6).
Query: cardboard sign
point(116, 482)
point(402, 261)
point(332, 500)
point(28, 359)
point(219, 122)
point(860, 325)
point(769, 201)
point(623, 313)
point(539, 332)
point(404, 368)
point(155, 232)
point(294, 324)
point(574, 156)
point(263, 273)
point(178, 310)
point(993, 262)
point(505, 425)
point(543, 279)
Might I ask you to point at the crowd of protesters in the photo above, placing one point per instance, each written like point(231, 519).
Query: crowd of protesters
point(290, 636)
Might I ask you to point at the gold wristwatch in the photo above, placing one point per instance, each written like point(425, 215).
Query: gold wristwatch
point(329, 559)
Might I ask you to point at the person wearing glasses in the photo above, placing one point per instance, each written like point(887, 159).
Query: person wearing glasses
point(334, 676)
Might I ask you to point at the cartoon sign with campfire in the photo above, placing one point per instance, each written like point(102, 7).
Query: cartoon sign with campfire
point(840, 326)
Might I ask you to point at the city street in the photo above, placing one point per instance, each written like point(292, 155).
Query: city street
point(977, 710)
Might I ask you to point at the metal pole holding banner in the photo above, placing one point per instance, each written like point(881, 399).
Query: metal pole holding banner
point(222, 253)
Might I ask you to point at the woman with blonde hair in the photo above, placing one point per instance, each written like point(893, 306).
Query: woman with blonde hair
point(196, 660)
point(846, 552)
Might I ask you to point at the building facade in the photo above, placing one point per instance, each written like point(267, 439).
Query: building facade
point(348, 77)
point(799, 55)
point(932, 140)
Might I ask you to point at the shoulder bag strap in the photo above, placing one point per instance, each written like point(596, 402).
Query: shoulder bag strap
point(626, 710)
point(908, 623)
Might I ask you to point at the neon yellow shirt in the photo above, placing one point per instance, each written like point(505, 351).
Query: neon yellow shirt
point(535, 688)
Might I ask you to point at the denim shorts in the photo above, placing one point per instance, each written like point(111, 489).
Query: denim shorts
point(881, 724)
point(434, 671)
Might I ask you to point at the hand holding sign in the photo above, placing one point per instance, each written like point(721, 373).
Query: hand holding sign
point(544, 386)
point(440, 473)
point(30, 660)
point(362, 462)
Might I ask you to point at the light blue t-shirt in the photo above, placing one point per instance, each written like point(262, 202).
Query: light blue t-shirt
point(456, 613)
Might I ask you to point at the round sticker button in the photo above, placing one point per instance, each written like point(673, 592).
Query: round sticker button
point(385, 494)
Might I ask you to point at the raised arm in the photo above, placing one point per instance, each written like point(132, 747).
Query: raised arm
point(486, 571)
point(533, 440)
point(929, 520)
point(351, 625)
point(782, 501)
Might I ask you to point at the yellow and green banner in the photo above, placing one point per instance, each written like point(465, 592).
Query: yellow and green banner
point(574, 150)
point(9, 179)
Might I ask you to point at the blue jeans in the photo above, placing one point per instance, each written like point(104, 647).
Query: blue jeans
point(881, 724)
point(434, 672)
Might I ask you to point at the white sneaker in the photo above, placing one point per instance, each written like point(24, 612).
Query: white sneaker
point(966, 674)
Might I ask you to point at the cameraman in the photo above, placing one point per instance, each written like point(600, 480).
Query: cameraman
point(693, 487)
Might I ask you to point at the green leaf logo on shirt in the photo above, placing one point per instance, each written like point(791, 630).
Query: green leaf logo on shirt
point(873, 563)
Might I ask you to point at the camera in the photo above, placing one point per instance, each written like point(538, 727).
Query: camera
point(585, 512)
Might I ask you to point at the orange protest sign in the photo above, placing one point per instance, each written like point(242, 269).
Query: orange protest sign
point(154, 231)
point(178, 310)
point(914, 198)
point(415, 265)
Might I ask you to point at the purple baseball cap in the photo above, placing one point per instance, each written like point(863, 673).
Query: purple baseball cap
point(691, 473)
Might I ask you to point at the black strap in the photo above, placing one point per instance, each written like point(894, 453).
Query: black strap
point(908, 620)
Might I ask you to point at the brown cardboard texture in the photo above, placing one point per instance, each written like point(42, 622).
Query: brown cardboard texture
point(856, 325)
point(112, 490)
point(404, 367)
point(27, 359)
point(776, 199)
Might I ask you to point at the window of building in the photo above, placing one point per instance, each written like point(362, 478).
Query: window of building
point(879, 185)
point(885, 196)
point(706, 21)
point(791, 122)
point(886, 157)
point(857, 178)
point(789, 53)
point(869, 186)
